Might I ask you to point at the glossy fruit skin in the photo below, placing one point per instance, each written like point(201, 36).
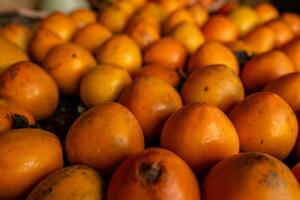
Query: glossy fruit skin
point(292, 50)
point(167, 52)
point(74, 182)
point(199, 14)
point(250, 175)
point(176, 18)
point(67, 63)
point(27, 155)
point(103, 84)
point(283, 33)
point(154, 173)
point(293, 21)
point(170, 6)
point(287, 88)
point(83, 17)
point(31, 87)
point(152, 101)
point(263, 68)
point(296, 171)
point(219, 28)
point(266, 12)
point(213, 53)
point(8, 110)
point(264, 121)
point(92, 36)
point(215, 84)
point(188, 133)
point(122, 51)
point(103, 137)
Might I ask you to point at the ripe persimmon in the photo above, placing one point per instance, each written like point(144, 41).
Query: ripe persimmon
point(296, 171)
point(199, 14)
point(266, 12)
point(83, 17)
point(283, 33)
point(293, 21)
point(176, 18)
point(292, 50)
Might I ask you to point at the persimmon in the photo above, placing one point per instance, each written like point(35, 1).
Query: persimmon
point(283, 33)
point(27, 155)
point(154, 173)
point(263, 68)
point(266, 12)
point(167, 52)
point(83, 17)
point(292, 50)
point(103, 137)
point(199, 14)
point(29, 86)
point(176, 18)
point(170, 6)
point(296, 171)
point(251, 175)
point(215, 84)
point(151, 9)
point(264, 122)
point(293, 21)
point(211, 53)
point(152, 101)
point(240, 46)
point(67, 63)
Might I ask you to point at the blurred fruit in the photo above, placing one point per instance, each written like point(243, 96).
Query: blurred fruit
point(239, 46)
point(263, 68)
point(251, 176)
point(154, 173)
point(211, 53)
point(261, 39)
point(10, 113)
point(220, 28)
point(170, 6)
point(296, 171)
point(245, 19)
point(10, 54)
point(152, 101)
point(176, 18)
point(287, 87)
point(83, 17)
point(265, 122)
point(189, 35)
point(26, 156)
point(166, 74)
point(151, 9)
point(67, 63)
point(293, 21)
point(199, 14)
point(122, 51)
point(125, 5)
point(227, 7)
point(92, 36)
point(167, 52)
point(103, 137)
point(60, 24)
point(188, 133)
point(103, 84)
point(17, 34)
point(266, 12)
point(215, 84)
point(31, 87)
point(283, 33)
point(41, 43)
point(75, 182)
point(292, 50)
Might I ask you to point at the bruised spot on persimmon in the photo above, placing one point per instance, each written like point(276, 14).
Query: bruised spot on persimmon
point(150, 172)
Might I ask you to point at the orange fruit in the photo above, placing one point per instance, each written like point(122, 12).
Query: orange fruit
point(219, 28)
point(292, 50)
point(176, 18)
point(154, 173)
point(211, 53)
point(26, 155)
point(199, 14)
point(264, 121)
point(293, 21)
point(83, 17)
point(151, 9)
point(103, 84)
point(169, 6)
point(187, 131)
point(103, 137)
point(122, 51)
point(152, 101)
point(250, 175)
point(67, 63)
point(266, 12)
point(167, 52)
point(240, 46)
point(29, 86)
point(283, 33)
point(215, 84)
point(296, 171)
point(264, 68)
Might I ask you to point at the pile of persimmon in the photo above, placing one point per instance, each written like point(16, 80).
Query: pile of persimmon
point(152, 100)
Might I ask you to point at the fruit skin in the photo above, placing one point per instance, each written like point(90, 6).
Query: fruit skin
point(83, 17)
point(152, 101)
point(215, 84)
point(122, 51)
point(296, 171)
point(8, 110)
point(31, 87)
point(170, 6)
point(266, 12)
point(10, 54)
point(199, 14)
point(287, 88)
point(265, 123)
point(263, 68)
point(176, 18)
point(154, 173)
point(67, 63)
point(283, 33)
point(103, 137)
point(188, 133)
point(293, 21)
point(219, 28)
point(26, 155)
point(103, 84)
point(167, 52)
point(75, 182)
point(250, 175)
point(213, 53)
point(292, 50)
